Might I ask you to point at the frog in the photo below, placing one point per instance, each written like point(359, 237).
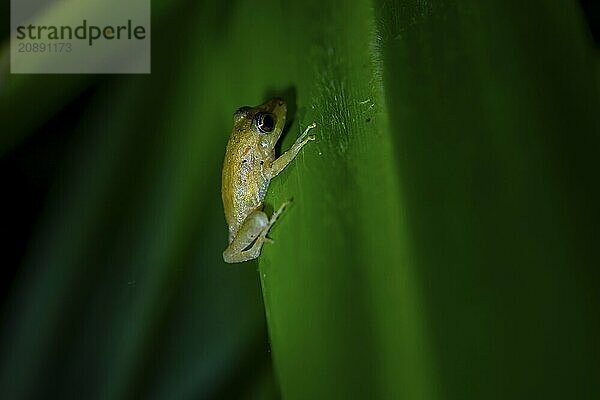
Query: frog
point(248, 168)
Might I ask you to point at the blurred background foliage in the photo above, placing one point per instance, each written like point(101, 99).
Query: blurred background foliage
point(442, 243)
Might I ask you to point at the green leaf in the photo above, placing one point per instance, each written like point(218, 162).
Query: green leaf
point(437, 244)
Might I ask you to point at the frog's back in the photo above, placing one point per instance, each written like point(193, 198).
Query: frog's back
point(243, 183)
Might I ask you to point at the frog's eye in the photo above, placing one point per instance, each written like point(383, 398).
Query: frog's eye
point(265, 122)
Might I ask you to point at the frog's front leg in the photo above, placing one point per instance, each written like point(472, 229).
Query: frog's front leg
point(279, 164)
point(253, 229)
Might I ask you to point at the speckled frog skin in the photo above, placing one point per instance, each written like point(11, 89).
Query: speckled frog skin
point(249, 166)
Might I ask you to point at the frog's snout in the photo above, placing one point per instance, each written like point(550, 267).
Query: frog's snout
point(275, 104)
point(281, 108)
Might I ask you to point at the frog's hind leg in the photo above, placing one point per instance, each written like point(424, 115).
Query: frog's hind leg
point(254, 229)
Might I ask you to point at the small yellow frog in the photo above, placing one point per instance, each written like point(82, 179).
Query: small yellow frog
point(248, 168)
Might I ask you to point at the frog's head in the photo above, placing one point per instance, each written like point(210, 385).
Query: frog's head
point(265, 121)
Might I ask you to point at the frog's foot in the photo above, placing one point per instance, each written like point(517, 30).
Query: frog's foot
point(254, 229)
point(276, 214)
point(305, 137)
